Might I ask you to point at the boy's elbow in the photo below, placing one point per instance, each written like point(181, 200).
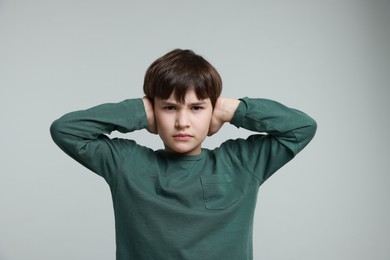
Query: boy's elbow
point(55, 131)
point(308, 133)
point(312, 128)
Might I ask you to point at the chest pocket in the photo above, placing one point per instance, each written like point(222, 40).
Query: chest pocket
point(218, 192)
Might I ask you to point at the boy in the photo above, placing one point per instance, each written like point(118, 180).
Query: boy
point(184, 201)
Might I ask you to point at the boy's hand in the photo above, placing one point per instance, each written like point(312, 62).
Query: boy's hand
point(223, 112)
point(152, 128)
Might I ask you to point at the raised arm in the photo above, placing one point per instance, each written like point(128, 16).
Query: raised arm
point(282, 133)
point(82, 134)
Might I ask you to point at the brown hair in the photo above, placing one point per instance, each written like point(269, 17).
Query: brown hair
point(178, 71)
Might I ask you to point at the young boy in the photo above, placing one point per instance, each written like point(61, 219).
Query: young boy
point(184, 201)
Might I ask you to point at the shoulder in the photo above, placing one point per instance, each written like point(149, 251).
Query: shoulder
point(130, 147)
point(234, 145)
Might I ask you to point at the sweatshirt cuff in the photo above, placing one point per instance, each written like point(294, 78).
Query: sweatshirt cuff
point(135, 115)
point(140, 111)
point(241, 112)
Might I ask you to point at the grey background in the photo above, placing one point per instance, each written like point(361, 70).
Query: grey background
point(330, 59)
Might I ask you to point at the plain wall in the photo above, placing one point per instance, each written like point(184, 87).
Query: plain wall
point(330, 59)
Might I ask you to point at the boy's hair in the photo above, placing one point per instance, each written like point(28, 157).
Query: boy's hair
point(177, 72)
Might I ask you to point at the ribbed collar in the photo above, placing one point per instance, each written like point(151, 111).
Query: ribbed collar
point(182, 157)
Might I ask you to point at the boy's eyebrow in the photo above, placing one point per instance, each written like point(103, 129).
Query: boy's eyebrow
point(197, 103)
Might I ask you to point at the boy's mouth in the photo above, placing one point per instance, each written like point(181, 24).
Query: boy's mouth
point(182, 137)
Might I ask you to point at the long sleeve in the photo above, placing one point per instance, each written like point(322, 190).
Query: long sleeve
point(283, 132)
point(82, 134)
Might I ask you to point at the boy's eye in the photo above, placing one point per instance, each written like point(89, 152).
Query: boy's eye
point(197, 107)
point(169, 108)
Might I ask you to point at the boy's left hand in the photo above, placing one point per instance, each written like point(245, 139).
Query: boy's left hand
point(223, 112)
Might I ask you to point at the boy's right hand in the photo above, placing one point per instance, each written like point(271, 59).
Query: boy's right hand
point(152, 128)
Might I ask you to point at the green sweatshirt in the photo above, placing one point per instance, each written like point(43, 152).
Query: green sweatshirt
point(173, 207)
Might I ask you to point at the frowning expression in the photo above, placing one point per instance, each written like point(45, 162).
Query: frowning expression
point(183, 126)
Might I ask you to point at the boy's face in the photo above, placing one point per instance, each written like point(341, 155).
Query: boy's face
point(183, 127)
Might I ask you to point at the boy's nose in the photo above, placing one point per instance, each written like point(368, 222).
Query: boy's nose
point(182, 120)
